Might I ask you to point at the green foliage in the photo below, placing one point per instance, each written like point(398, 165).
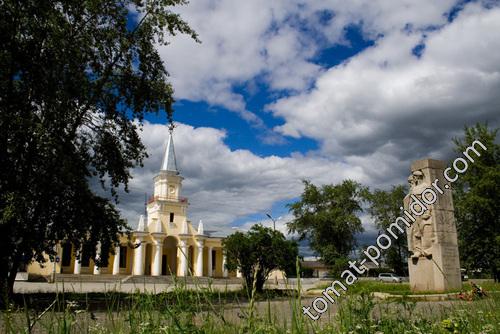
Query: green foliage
point(476, 196)
point(76, 78)
point(338, 265)
point(384, 209)
point(258, 252)
point(327, 217)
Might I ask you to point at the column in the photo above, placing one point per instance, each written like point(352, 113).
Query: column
point(199, 259)
point(183, 258)
point(238, 273)
point(156, 266)
point(97, 270)
point(224, 269)
point(78, 263)
point(209, 262)
point(116, 261)
point(139, 260)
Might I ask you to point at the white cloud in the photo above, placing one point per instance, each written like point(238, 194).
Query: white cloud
point(223, 184)
point(275, 40)
point(385, 106)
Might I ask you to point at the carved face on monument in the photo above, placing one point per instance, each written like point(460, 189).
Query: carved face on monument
point(416, 178)
point(421, 234)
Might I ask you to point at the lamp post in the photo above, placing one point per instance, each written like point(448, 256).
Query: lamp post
point(274, 221)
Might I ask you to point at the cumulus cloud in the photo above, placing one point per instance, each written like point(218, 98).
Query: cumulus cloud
point(223, 184)
point(387, 105)
point(275, 41)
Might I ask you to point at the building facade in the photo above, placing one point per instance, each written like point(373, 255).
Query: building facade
point(164, 242)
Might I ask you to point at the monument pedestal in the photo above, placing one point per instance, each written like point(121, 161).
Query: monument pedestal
point(432, 238)
point(421, 270)
point(427, 275)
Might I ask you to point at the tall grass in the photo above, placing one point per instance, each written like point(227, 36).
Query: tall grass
point(207, 310)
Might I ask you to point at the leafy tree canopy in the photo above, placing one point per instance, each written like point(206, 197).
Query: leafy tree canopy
point(258, 252)
point(476, 196)
point(327, 217)
point(76, 79)
point(384, 208)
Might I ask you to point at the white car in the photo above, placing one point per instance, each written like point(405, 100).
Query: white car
point(389, 277)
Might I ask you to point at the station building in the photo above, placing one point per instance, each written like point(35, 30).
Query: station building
point(164, 242)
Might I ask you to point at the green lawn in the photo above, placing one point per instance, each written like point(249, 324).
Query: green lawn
point(206, 311)
point(366, 286)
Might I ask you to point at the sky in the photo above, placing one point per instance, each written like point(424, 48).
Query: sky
point(323, 90)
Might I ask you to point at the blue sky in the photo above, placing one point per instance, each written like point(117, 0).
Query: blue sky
point(318, 90)
point(240, 134)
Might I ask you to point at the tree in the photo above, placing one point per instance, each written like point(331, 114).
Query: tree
point(384, 209)
point(76, 79)
point(258, 252)
point(326, 216)
point(476, 195)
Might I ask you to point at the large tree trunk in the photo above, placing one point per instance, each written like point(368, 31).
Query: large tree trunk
point(4, 290)
point(7, 280)
point(12, 279)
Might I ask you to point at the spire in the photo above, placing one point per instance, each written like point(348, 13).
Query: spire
point(169, 163)
point(140, 226)
point(200, 228)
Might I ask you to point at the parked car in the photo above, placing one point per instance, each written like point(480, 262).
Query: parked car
point(389, 278)
point(463, 273)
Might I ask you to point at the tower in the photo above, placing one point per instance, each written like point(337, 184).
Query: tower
point(167, 209)
point(167, 184)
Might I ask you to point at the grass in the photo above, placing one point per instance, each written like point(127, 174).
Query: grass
point(368, 286)
point(210, 311)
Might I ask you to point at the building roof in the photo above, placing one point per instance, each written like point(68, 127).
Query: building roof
point(314, 265)
point(169, 163)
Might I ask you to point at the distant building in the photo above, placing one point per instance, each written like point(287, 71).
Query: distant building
point(321, 270)
point(318, 268)
point(164, 243)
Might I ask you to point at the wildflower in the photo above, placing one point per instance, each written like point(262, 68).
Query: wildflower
point(487, 329)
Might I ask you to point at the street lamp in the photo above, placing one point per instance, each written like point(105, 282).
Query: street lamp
point(274, 221)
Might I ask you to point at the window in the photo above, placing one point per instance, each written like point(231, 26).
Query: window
point(66, 254)
point(123, 256)
point(85, 258)
point(214, 257)
point(171, 217)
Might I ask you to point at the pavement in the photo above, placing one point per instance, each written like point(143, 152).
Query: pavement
point(131, 284)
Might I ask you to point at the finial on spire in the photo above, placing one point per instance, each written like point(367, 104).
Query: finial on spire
point(171, 127)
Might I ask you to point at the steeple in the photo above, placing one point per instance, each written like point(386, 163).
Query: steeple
point(169, 163)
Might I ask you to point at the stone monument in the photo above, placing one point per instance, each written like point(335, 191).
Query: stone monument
point(434, 263)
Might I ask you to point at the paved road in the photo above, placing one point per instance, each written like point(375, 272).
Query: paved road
point(130, 286)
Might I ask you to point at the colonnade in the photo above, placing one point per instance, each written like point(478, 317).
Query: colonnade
point(139, 265)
